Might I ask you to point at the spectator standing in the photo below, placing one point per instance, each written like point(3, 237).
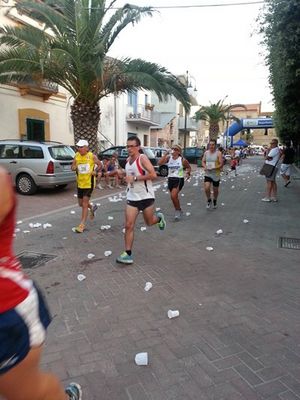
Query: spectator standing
point(288, 156)
point(272, 158)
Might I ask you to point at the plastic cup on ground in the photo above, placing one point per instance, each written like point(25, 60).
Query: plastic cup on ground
point(141, 358)
point(81, 277)
point(173, 314)
point(148, 286)
point(219, 232)
point(107, 253)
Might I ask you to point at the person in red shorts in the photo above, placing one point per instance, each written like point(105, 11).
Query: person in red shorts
point(24, 318)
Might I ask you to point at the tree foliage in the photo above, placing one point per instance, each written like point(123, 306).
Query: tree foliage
point(214, 114)
point(72, 50)
point(281, 32)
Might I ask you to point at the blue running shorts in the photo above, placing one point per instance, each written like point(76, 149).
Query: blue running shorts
point(22, 328)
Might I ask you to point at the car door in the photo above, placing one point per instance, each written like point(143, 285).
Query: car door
point(9, 158)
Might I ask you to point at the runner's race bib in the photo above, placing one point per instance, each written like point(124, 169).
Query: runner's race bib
point(83, 168)
point(210, 165)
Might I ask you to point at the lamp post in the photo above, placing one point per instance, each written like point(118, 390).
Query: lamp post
point(188, 84)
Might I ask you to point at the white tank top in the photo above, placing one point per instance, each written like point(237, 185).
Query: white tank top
point(175, 167)
point(139, 190)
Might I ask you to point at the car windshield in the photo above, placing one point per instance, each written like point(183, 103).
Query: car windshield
point(149, 153)
point(62, 152)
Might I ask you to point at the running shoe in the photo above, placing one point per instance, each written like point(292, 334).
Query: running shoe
point(215, 204)
point(208, 205)
point(125, 258)
point(100, 187)
point(93, 211)
point(178, 215)
point(110, 186)
point(266, 199)
point(74, 391)
point(162, 223)
point(274, 199)
point(78, 229)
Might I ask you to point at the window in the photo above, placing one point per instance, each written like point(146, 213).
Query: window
point(146, 99)
point(9, 151)
point(124, 153)
point(62, 152)
point(31, 152)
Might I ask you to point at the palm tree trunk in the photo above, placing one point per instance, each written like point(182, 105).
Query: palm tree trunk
point(85, 118)
point(214, 131)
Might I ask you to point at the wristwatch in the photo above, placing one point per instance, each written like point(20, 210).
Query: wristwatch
point(135, 178)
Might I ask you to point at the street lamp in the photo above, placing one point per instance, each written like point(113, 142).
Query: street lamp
point(188, 86)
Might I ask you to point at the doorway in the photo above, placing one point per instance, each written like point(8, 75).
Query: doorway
point(35, 129)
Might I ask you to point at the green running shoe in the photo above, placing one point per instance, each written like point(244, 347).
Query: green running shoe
point(124, 258)
point(162, 223)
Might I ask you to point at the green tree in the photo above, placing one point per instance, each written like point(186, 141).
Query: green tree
point(281, 32)
point(72, 51)
point(214, 114)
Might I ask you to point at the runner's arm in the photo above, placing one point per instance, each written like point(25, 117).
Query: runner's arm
point(221, 161)
point(204, 161)
point(187, 167)
point(6, 198)
point(74, 165)
point(164, 159)
point(146, 164)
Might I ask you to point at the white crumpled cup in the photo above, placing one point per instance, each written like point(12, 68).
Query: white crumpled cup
point(173, 314)
point(141, 358)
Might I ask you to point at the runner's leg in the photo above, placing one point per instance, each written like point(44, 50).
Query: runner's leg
point(131, 214)
point(25, 381)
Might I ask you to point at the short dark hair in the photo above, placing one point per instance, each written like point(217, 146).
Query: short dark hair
point(134, 139)
point(213, 140)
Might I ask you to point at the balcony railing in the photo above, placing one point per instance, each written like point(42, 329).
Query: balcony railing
point(140, 115)
point(191, 124)
point(43, 88)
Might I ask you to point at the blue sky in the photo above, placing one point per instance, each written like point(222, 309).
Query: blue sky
point(218, 46)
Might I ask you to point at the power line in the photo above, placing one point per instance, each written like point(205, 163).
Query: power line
point(180, 7)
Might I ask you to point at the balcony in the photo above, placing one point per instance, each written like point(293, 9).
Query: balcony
point(191, 124)
point(139, 115)
point(42, 88)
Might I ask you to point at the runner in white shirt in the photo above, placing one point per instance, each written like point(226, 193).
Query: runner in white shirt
point(140, 196)
point(176, 166)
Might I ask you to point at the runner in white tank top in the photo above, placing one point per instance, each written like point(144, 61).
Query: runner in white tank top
point(140, 196)
point(176, 166)
point(212, 162)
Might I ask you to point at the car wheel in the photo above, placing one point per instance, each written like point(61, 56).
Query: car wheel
point(62, 186)
point(163, 170)
point(25, 184)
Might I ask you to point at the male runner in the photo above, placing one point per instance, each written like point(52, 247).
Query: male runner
point(140, 196)
point(86, 165)
point(212, 162)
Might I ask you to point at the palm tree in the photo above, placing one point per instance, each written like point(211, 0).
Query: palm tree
point(214, 114)
point(72, 51)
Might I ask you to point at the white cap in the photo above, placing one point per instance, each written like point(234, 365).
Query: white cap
point(82, 143)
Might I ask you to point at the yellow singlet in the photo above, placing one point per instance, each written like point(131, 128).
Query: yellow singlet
point(85, 166)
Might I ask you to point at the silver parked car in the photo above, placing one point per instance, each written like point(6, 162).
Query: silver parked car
point(33, 164)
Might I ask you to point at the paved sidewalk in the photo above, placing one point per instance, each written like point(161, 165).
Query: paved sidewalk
point(238, 333)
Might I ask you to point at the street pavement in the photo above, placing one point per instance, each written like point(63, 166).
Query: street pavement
point(238, 332)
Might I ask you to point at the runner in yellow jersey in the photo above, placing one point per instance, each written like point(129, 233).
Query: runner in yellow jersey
point(86, 165)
